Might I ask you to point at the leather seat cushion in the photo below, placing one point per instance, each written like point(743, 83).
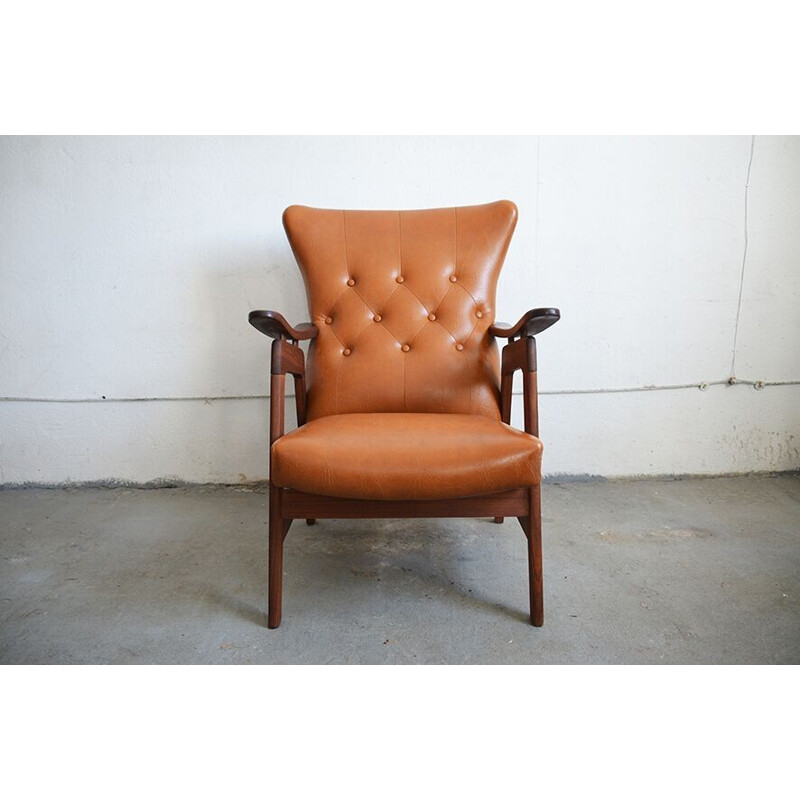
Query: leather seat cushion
point(402, 456)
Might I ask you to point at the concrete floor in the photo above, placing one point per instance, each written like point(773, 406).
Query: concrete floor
point(654, 571)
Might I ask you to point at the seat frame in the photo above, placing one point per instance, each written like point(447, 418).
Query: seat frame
point(287, 505)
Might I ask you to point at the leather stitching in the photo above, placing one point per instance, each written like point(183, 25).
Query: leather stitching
point(477, 304)
point(419, 331)
point(467, 337)
point(338, 298)
point(399, 242)
point(344, 230)
point(380, 323)
point(369, 308)
point(415, 297)
point(400, 272)
point(336, 336)
point(450, 289)
point(455, 240)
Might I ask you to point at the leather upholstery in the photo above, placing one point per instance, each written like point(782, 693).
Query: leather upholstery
point(402, 456)
point(403, 301)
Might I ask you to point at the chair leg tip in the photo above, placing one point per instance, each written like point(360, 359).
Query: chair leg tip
point(311, 522)
point(498, 520)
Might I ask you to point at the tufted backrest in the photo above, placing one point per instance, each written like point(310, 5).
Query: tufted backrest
point(403, 301)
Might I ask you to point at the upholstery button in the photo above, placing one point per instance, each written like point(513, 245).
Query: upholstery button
point(479, 314)
point(405, 348)
point(432, 317)
point(377, 318)
point(351, 282)
point(459, 346)
point(328, 320)
point(346, 351)
point(399, 278)
point(453, 279)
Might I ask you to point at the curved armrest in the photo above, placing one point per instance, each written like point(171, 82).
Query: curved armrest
point(272, 324)
point(532, 323)
point(287, 359)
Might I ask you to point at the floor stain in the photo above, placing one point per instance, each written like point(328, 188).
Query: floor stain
point(660, 535)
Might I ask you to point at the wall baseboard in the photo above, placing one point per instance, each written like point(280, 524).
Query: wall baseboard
point(263, 486)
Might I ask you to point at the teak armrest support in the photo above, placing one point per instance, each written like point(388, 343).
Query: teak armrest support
point(287, 357)
point(521, 355)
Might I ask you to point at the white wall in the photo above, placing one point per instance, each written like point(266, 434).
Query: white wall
point(129, 266)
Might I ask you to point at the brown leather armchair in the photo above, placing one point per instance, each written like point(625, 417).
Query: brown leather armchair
point(404, 406)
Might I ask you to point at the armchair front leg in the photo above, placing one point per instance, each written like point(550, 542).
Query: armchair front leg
point(287, 357)
point(520, 354)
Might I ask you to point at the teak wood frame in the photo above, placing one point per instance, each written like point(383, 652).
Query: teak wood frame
point(286, 505)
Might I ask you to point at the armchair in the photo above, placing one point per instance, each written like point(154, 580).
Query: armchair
point(405, 408)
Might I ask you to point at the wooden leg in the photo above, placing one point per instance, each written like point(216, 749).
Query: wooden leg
point(535, 557)
point(498, 520)
point(311, 522)
point(277, 530)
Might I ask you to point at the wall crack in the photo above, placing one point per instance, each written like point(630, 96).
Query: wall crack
point(744, 261)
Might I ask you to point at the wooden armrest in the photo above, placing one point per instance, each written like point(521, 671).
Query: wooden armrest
point(532, 323)
point(287, 358)
point(272, 324)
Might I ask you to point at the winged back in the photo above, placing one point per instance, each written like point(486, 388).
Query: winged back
point(403, 301)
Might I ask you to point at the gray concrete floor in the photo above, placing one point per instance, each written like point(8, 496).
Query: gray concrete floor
point(653, 571)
